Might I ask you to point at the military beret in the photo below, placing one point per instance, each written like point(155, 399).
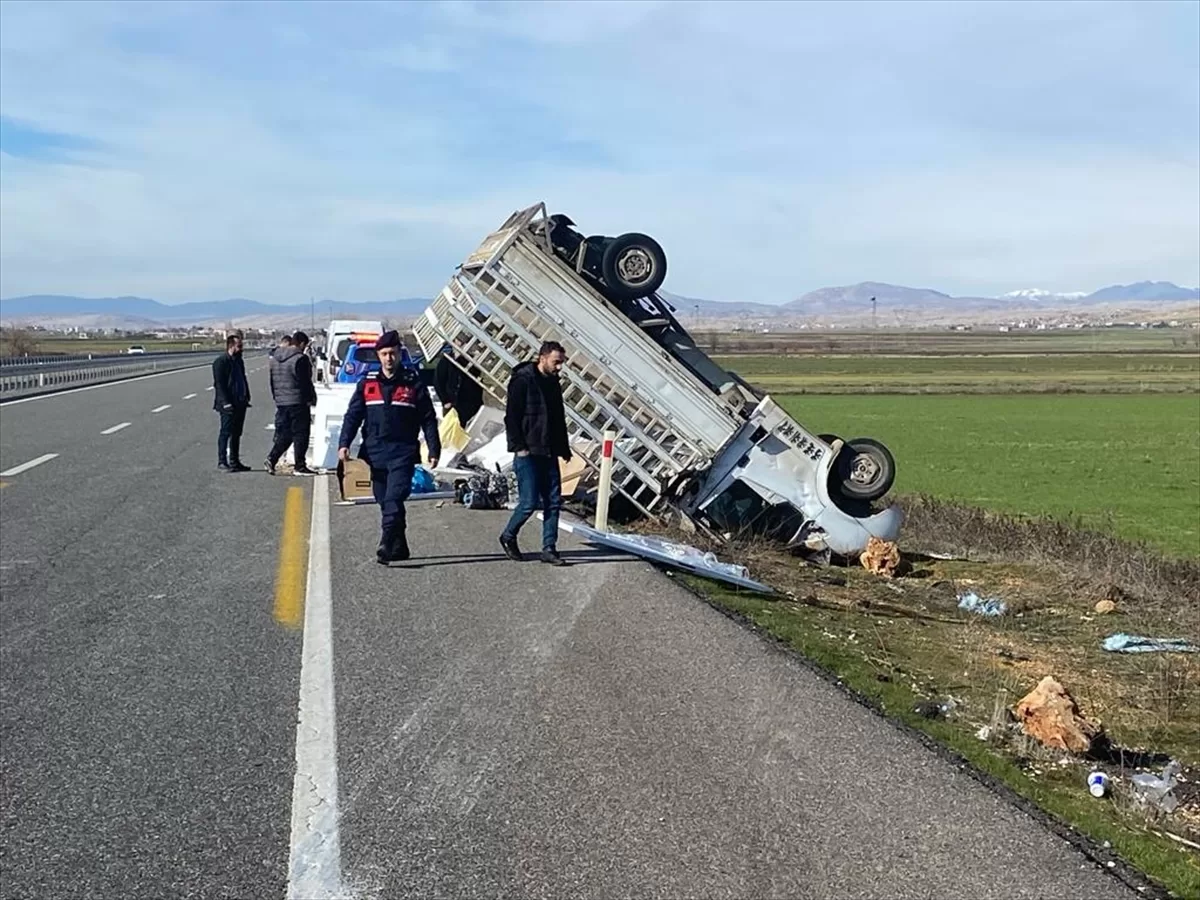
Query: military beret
point(388, 339)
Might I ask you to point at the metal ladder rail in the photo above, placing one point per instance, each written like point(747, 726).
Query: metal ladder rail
point(622, 463)
point(656, 427)
point(615, 393)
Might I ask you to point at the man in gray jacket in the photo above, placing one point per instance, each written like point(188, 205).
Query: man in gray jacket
point(294, 393)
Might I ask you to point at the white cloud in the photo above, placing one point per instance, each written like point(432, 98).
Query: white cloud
point(362, 150)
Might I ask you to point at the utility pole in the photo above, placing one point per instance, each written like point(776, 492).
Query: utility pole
point(874, 326)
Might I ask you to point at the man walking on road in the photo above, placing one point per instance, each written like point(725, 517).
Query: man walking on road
point(295, 394)
point(231, 398)
point(537, 434)
point(395, 407)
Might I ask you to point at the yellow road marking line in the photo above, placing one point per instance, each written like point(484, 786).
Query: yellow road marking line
point(292, 573)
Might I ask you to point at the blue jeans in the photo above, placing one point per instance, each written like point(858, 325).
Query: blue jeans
point(539, 483)
point(229, 439)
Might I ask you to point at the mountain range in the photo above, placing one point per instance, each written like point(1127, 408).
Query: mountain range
point(850, 301)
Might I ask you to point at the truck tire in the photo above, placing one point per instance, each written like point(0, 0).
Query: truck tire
point(865, 470)
point(634, 265)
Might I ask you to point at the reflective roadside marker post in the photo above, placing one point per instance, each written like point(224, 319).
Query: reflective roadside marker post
point(605, 487)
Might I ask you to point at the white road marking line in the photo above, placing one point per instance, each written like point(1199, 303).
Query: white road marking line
point(116, 428)
point(270, 427)
point(94, 387)
point(25, 467)
point(189, 396)
point(315, 858)
point(209, 388)
point(159, 409)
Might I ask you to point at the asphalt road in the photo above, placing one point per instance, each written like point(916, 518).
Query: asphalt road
point(499, 728)
point(147, 695)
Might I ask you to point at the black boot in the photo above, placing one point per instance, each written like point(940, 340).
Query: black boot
point(400, 551)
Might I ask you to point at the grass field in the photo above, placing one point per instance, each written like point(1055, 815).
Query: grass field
point(51, 347)
point(1103, 430)
point(995, 372)
point(1126, 463)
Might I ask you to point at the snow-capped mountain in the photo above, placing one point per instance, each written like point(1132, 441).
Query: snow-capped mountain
point(1040, 295)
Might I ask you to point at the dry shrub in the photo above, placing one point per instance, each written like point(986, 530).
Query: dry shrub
point(1112, 565)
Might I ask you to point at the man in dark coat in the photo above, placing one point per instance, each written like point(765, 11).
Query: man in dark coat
point(231, 398)
point(295, 394)
point(536, 424)
point(392, 407)
point(456, 389)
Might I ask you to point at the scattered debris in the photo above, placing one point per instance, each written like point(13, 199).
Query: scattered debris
point(1049, 714)
point(1155, 790)
point(1135, 643)
point(880, 557)
point(1104, 607)
point(680, 556)
point(423, 481)
point(984, 733)
point(935, 709)
point(1097, 784)
point(990, 606)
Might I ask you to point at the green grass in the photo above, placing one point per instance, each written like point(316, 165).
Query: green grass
point(1130, 464)
point(992, 373)
point(49, 347)
point(882, 660)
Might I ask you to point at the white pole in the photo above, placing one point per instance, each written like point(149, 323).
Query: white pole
point(605, 487)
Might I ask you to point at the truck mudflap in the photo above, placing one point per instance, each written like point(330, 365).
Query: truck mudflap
point(774, 475)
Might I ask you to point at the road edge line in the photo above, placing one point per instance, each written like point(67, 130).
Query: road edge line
point(315, 863)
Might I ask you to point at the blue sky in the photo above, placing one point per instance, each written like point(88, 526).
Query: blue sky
point(359, 151)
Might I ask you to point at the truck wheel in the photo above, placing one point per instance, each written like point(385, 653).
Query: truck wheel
point(866, 469)
point(634, 265)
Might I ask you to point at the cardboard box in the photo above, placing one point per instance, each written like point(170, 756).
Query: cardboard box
point(571, 473)
point(354, 481)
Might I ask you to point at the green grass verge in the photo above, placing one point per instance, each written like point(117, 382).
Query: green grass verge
point(993, 373)
point(1125, 464)
point(820, 636)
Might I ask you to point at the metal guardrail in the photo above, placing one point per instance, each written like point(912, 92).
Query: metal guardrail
point(79, 359)
point(25, 383)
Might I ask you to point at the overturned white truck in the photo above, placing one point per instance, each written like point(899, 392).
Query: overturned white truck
point(691, 437)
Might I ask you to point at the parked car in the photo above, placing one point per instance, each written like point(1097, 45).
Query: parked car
point(135, 350)
point(361, 358)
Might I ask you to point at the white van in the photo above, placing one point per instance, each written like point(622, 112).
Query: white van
point(339, 336)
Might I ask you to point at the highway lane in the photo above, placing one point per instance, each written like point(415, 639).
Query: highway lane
point(498, 728)
point(515, 729)
point(147, 691)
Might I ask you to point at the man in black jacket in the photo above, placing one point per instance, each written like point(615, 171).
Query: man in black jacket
point(295, 394)
point(231, 398)
point(456, 389)
point(395, 407)
point(536, 425)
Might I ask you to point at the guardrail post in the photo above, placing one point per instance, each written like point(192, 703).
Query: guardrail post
point(604, 489)
point(41, 379)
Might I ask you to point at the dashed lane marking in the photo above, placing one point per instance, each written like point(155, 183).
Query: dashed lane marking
point(116, 428)
point(95, 387)
point(26, 466)
point(189, 396)
point(159, 409)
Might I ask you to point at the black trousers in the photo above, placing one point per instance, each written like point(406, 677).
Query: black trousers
point(391, 484)
point(292, 426)
point(230, 436)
